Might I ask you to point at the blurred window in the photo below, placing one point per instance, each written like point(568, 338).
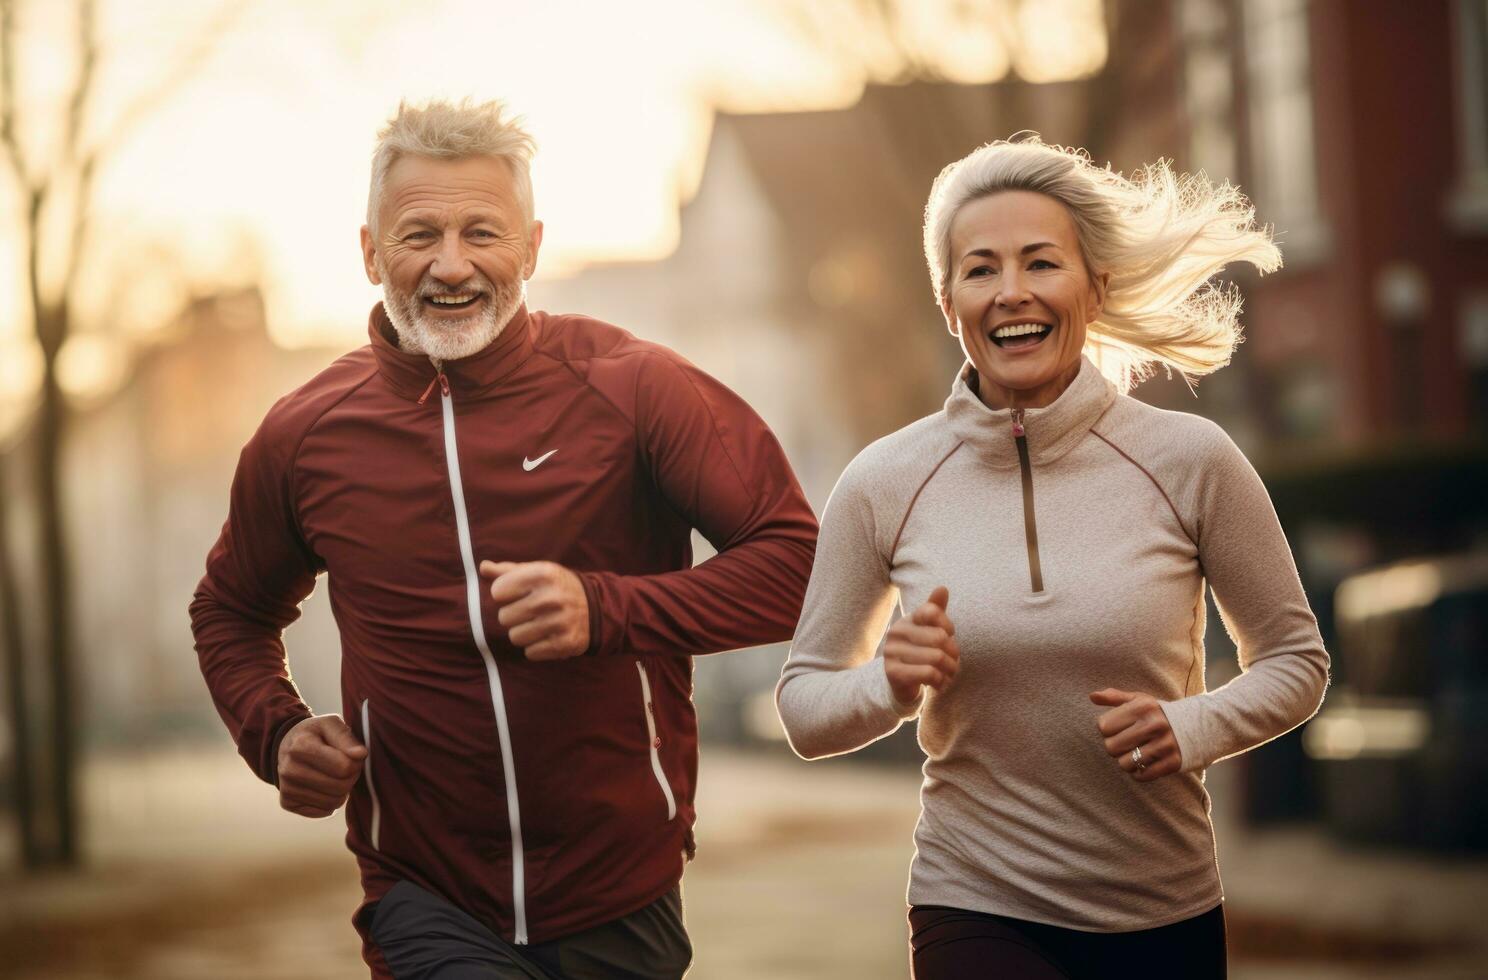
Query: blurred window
point(1460, 637)
point(1473, 344)
point(1209, 87)
point(1282, 142)
point(1469, 204)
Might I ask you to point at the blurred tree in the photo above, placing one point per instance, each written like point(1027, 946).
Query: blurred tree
point(12, 647)
point(898, 41)
point(54, 180)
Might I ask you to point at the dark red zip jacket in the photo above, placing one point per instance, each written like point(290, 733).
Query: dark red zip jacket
point(542, 798)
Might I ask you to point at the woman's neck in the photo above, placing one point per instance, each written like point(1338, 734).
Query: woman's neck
point(996, 397)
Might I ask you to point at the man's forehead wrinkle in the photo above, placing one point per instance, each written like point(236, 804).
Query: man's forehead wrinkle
point(443, 196)
point(431, 210)
point(437, 208)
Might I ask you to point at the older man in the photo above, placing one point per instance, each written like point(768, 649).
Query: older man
point(502, 501)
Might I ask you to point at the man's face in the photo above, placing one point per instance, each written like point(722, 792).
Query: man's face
point(452, 252)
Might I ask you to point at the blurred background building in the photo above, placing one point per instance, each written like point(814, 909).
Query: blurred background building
point(794, 273)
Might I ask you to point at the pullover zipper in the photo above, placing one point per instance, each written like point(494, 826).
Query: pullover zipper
point(493, 677)
point(1030, 524)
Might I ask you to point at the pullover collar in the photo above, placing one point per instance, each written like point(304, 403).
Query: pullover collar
point(1050, 432)
point(469, 377)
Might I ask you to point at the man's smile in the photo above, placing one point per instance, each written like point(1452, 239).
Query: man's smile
point(453, 303)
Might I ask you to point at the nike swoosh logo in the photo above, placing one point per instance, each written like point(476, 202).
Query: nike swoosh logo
point(531, 464)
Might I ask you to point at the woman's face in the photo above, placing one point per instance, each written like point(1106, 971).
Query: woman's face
point(1019, 296)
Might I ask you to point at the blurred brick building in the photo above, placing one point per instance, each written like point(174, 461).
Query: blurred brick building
point(1360, 130)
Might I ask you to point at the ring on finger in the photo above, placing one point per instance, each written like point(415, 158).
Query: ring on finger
point(1136, 758)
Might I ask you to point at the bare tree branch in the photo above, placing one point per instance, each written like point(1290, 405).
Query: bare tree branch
point(202, 48)
point(8, 98)
point(83, 94)
point(83, 89)
point(87, 162)
point(82, 223)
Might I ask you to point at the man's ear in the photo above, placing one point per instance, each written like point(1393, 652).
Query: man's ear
point(534, 242)
point(369, 257)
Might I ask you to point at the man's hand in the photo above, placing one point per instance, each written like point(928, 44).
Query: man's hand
point(921, 649)
point(320, 761)
point(542, 607)
point(1137, 721)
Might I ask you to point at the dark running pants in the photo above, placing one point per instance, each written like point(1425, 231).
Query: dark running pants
point(953, 944)
point(423, 936)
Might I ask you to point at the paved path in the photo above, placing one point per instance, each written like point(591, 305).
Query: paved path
point(197, 874)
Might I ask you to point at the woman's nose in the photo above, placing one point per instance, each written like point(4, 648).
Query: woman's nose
point(1012, 291)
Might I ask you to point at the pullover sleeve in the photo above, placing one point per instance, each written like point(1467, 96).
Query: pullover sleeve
point(833, 695)
point(720, 468)
point(258, 573)
point(1284, 668)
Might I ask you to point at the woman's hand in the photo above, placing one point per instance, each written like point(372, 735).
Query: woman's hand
point(921, 649)
point(1137, 722)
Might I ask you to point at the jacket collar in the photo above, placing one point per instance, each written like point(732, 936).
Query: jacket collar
point(1050, 432)
point(411, 374)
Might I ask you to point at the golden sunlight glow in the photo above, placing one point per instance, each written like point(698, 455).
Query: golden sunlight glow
point(1349, 731)
point(1060, 39)
point(20, 377)
point(967, 48)
point(269, 139)
point(92, 366)
point(1388, 591)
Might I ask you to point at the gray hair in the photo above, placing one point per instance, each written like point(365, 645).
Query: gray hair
point(1160, 236)
point(454, 132)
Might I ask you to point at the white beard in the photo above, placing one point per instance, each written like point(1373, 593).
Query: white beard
point(449, 340)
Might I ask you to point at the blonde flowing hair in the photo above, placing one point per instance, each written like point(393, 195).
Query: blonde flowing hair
point(1161, 236)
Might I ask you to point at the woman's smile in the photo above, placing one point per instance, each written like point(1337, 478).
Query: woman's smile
point(1021, 336)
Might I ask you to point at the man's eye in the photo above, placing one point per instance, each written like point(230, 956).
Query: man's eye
point(418, 236)
point(482, 233)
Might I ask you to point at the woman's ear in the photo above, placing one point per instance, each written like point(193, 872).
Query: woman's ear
point(950, 316)
point(1098, 286)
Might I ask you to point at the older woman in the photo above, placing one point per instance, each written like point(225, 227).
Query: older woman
point(1051, 538)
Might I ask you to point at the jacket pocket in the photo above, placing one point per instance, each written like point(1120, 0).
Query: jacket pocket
point(654, 741)
point(374, 829)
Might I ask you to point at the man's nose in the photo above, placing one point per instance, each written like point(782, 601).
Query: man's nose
point(452, 265)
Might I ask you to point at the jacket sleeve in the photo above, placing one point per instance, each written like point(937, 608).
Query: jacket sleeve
point(833, 695)
point(721, 469)
point(1284, 667)
point(258, 573)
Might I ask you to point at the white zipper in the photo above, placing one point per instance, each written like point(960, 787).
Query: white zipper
point(661, 780)
point(376, 830)
point(498, 702)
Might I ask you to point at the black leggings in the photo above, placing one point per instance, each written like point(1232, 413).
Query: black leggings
point(953, 944)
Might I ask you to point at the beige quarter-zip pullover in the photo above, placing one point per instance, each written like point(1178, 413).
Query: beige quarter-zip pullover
point(1076, 555)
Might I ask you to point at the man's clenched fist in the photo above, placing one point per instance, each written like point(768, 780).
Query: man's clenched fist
point(320, 761)
point(542, 606)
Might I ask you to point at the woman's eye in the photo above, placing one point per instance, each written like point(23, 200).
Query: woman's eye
point(1042, 264)
point(979, 271)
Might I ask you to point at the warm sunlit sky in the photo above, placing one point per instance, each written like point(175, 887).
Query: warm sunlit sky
point(255, 168)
